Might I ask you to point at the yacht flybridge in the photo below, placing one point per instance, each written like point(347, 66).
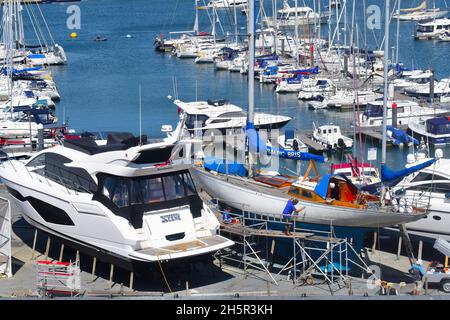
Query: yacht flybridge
point(289, 16)
point(125, 203)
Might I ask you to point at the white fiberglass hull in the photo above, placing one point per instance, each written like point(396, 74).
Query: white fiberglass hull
point(89, 224)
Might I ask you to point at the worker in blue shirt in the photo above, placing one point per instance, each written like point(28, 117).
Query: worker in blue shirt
point(417, 270)
point(226, 217)
point(288, 211)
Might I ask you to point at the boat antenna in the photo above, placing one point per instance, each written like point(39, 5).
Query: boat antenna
point(398, 32)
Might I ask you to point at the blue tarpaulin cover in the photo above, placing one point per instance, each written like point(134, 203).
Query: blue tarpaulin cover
point(36, 56)
point(219, 165)
point(388, 174)
point(257, 145)
point(321, 188)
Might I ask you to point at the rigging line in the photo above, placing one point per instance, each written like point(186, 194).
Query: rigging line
point(164, 276)
point(361, 153)
point(391, 16)
point(173, 12)
point(33, 25)
point(37, 24)
point(45, 23)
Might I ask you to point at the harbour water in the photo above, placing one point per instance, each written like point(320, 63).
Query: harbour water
point(100, 90)
point(100, 83)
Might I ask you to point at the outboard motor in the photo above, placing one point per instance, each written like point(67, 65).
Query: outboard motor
point(341, 143)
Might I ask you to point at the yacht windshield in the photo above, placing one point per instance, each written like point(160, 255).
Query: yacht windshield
point(132, 197)
point(124, 191)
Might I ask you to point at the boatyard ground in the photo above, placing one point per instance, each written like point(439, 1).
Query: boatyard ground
point(202, 280)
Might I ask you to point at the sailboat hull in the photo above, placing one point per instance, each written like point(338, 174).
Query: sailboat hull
point(247, 195)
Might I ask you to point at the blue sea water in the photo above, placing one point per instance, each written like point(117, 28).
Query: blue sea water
point(100, 84)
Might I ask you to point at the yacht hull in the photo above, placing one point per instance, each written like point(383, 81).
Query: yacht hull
point(85, 224)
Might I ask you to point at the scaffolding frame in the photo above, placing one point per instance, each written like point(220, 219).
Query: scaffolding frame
point(302, 266)
point(58, 278)
point(5, 238)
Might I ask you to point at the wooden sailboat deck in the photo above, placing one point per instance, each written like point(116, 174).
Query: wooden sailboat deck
point(241, 230)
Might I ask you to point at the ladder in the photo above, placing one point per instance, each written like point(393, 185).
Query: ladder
point(407, 242)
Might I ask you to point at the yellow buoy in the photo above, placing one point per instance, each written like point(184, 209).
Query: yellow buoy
point(73, 35)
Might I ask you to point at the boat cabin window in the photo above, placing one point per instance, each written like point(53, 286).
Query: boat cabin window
point(193, 118)
point(422, 28)
point(132, 197)
point(335, 130)
point(234, 114)
point(39, 161)
point(441, 187)
point(370, 173)
point(52, 166)
point(422, 176)
point(124, 191)
point(294, 190)
point(219, 121)
point(307, 194)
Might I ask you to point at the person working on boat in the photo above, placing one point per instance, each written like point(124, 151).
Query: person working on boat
point(226, 215)
point(288, 211)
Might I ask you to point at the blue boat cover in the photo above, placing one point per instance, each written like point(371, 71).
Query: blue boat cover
point(219, 165)
point(36, 56)
point(388, 174)
point(401, 136)
point(288, 134)
point(314, 70)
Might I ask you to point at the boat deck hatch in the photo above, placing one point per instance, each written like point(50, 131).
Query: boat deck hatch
point(278, 182)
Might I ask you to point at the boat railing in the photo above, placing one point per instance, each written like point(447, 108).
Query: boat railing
point(415, 201)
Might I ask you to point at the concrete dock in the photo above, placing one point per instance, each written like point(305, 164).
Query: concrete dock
point(208, 280)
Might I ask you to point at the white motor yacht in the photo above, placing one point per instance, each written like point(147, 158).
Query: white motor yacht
point(432, 29)
point(125, 204)
point(432, 185)
point(406, 111)
point(331, 137)
point(222, 115)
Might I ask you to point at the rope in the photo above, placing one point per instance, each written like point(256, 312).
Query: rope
point(164, 276)
point(46, 25)
point(34, 28)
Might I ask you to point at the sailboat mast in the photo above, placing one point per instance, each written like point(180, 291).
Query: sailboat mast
point(8, 38)
point(196, 18)
point(296, 35)
point(251, 68)
point(385, 95)
point(274, 16)
point(398, 32)
point(251, 58)
point(329, 24)
point(235, 26)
